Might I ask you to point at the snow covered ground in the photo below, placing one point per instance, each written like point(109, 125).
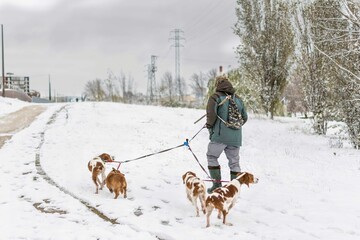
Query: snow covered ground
point(307, 190)
point(8, 105)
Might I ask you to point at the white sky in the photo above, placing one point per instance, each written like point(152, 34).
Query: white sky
point(75, 41)
point(306, 190)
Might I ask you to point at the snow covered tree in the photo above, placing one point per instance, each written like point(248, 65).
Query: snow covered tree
point(335, 30)
point(266, 49)
point(313, 68)
point(245, 90)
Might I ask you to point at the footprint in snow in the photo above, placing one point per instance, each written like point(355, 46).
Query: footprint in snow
point(156, 207)
point(138, 212)
point(165, 222)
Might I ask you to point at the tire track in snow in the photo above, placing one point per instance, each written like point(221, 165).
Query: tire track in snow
point(46, 177)
point(93, 209)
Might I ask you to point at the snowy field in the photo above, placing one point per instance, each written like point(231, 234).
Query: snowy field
point(306, 190)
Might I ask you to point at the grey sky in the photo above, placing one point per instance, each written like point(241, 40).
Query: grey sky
point(75, 41)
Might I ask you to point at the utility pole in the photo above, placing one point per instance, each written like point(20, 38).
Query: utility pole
point(49, 89)
point(151, 88)
point(177, 37)
point(3, 66)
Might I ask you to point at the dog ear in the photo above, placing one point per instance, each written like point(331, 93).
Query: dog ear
point(247, 179)
point(183, 178)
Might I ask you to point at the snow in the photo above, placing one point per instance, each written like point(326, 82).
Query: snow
point(8, 105)
point(306, 189)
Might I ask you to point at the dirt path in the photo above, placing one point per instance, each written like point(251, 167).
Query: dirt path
point(14, 122)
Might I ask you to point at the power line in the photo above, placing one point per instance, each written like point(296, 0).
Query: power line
point(194, 22)
point(221, 13)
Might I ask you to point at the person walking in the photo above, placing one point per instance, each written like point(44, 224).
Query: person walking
point(223, 138)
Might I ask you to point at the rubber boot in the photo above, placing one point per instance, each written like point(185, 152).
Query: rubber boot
point(215, 174)
point(233, 175)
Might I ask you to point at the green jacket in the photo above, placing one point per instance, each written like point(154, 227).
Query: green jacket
point(217, 129)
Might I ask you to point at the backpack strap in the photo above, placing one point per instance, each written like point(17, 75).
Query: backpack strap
point(224, 100)
point(222, 103)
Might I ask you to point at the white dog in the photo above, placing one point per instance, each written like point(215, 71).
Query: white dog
point(224, 198)
point(195, 189)
point(96, 166)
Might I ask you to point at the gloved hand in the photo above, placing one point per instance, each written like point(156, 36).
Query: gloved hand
point(208, 126)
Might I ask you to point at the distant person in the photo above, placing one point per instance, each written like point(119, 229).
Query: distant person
point(222, 137)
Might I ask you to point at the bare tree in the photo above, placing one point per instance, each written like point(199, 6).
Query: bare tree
point(111, 88)
point(198, 85)
point(122, 83)
point(128, 95)
point(167, 86)
point(211, 76)
point(180, 88)
point(94, 90)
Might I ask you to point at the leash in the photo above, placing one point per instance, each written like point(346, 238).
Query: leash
point(147, 155)
point(151, 154)
point(201, 166)
point(162, 151)
point(195, 134)
point(186, 144)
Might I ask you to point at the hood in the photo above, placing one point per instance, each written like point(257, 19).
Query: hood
point(225, 86)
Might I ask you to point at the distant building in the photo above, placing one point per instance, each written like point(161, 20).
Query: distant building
point(18, 83)
point(18, 87)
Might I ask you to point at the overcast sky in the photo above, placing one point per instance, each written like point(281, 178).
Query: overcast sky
point(75, 41)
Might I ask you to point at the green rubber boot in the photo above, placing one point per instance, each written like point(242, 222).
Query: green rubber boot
point(233, 175)
point(215, 174)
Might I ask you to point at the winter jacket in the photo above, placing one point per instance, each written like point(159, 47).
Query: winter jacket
point(217, 129)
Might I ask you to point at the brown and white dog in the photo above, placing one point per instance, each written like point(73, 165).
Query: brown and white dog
point(195, 189)
point(106, 157)
point(224, 198)
point(116, 182)
point(97, 166)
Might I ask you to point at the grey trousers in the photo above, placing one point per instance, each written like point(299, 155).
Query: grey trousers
point(232, 154)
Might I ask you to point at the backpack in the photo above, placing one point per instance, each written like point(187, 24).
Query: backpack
point(234, 118)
